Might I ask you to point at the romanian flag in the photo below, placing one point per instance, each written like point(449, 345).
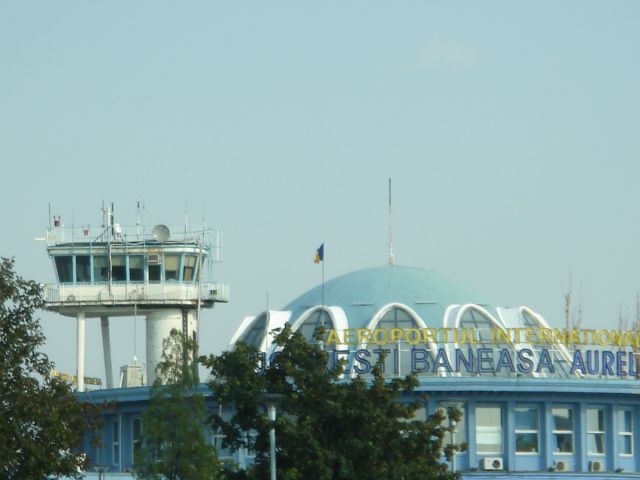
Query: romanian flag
point(319, 254)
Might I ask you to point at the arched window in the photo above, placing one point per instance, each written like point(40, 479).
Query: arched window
point(397, 318)
point(317, 319)
point(256, 331)
point(482, 324)
point(529, 321)
point(399, 353)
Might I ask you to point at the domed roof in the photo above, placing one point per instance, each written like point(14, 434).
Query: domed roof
point(362, 293)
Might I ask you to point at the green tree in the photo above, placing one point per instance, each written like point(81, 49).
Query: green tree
point(41, 422)
point(174, 446)
point(329, 427)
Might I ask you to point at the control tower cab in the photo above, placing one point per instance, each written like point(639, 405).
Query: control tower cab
point(164, 273)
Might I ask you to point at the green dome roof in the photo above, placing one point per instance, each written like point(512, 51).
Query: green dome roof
point(362, 293)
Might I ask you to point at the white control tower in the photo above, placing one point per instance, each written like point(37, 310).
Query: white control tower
point(163, 273)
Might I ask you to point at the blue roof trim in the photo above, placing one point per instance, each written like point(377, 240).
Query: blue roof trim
point(525, 385)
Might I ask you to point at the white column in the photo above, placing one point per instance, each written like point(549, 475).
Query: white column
point(80, 317)
point(159, 325)
point(106, 350)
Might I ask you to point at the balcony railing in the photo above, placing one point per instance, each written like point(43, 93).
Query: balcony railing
point(131, 293)
point(129, 233)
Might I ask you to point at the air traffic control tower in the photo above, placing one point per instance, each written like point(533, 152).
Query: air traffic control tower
point(163, 273)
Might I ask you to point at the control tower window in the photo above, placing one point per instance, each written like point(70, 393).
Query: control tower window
point(189, 268)
point(83, 268)
point(154, 273)
point(171, 266)
point(101, 269)
point(64, 266)
point(136, 268)
point(118, 268)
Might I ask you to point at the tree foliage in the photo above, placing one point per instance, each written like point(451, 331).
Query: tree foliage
point(329, 427)
point(41, 422)
point(174, 446)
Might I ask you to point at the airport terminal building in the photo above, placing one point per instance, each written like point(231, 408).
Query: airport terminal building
point(537, 402)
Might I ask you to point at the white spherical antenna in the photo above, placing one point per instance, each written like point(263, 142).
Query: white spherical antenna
point(160, 233)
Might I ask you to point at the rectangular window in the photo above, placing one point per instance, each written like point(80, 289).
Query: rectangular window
point(64, 267)
point(83, 268)
point(489, 430)
point(563, 430)
point(154, 273)
point(136, 268)
point(223, 451)
point(101, 268)
point(116, 442)
point(460, 428)
point(527, 429)
point(625, 431)
point(595, 430)
point(189, 268)
point(171, 265)
point(118, 268)
point(136, 434)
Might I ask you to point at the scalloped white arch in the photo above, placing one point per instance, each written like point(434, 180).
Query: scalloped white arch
point(456, 313)
point(382, 311)
point(481, 310)
point(275, 319)
point(337, 315)
point(244, 325)
point(543, 324)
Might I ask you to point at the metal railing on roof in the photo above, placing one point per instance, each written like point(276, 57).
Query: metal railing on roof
point(128, 233)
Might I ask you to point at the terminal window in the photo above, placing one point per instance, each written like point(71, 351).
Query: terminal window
point(116, 442)
point(136, 431)
point(459, 434)
point(489, 430)
point(563, 430)
point(595, 430)
point(625, 429)
point(527, 429)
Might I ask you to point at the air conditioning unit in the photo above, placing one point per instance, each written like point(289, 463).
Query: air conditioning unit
point(596, 466)
point(153, 258)
point(561, 466)
point(492, 463)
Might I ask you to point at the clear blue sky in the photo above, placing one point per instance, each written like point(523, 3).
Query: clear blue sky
point(511, 131)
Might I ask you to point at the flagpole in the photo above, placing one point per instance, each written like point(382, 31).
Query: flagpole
point(323, 290)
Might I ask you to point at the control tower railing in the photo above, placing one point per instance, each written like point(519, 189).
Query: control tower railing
point(130, 294)
point(136, 234)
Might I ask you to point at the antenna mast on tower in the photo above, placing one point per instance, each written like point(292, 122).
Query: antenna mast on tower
point(392, 260)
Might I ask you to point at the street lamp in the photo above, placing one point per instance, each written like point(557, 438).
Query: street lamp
point(271, 401)
point(453, 425)
point(101, 469)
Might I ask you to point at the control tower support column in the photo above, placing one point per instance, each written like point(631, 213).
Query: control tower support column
point(80, 319)
point(106, 349)
point(159, 326)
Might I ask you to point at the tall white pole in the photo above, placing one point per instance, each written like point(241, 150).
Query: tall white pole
point(392, 260)
point(80, 318)
point(106, 350)
point(271, 407)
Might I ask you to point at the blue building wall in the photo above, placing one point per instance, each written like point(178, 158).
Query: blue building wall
point(611, 397)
